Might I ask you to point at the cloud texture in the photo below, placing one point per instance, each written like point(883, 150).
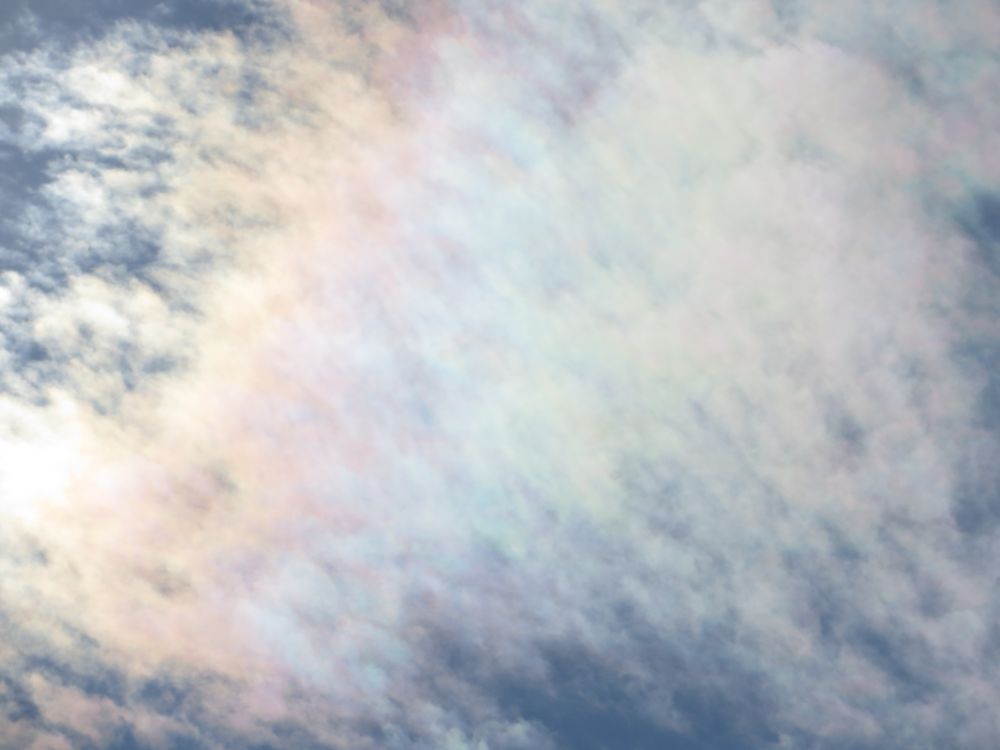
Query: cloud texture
point(493, 375)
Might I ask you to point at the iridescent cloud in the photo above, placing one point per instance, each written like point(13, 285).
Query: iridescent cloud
point(499, 375)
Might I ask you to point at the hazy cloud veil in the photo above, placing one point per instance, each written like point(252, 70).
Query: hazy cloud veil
point(495, 375)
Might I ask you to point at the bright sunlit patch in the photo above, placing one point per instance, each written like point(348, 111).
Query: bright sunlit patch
point(41, 450)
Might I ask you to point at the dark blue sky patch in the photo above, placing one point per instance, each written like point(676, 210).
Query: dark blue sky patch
point(980, 359)
point(722, 719)
point(896, 656)
point(823, 589)
point(124, 738)
point(935, 599)
point(178, 696)
point(16, 704)
point(185, 742)
point(163, 695)
point(401, 10)
point(658, 490)
point(980, 221)
point(122, 251)
point(22, 172)
point(832, 605)
point(289, 736)
point(628, 698)
point(583, 704)
point(588, 702)
point(67, 22)
point(29, 353)
point(93, 678)
point(989, 403)
point(976, 504)
point(12, 117)
point(846, 430)
point(976, 494)
point(22, 175)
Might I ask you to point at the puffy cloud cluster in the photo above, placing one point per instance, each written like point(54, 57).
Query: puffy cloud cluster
point(502, 375)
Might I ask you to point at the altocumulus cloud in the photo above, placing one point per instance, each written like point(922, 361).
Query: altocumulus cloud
point(499, 375)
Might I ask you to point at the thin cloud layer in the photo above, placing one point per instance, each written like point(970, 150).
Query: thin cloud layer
point(481, 375)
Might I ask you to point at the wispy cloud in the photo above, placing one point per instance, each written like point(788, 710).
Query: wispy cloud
point(473, 375)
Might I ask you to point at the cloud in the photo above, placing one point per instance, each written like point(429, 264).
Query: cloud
point(478, 376)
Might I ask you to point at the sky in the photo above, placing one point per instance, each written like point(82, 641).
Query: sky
point(495, 375)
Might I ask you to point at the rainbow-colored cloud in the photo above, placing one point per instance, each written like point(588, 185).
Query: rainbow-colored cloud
point(489, 375)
